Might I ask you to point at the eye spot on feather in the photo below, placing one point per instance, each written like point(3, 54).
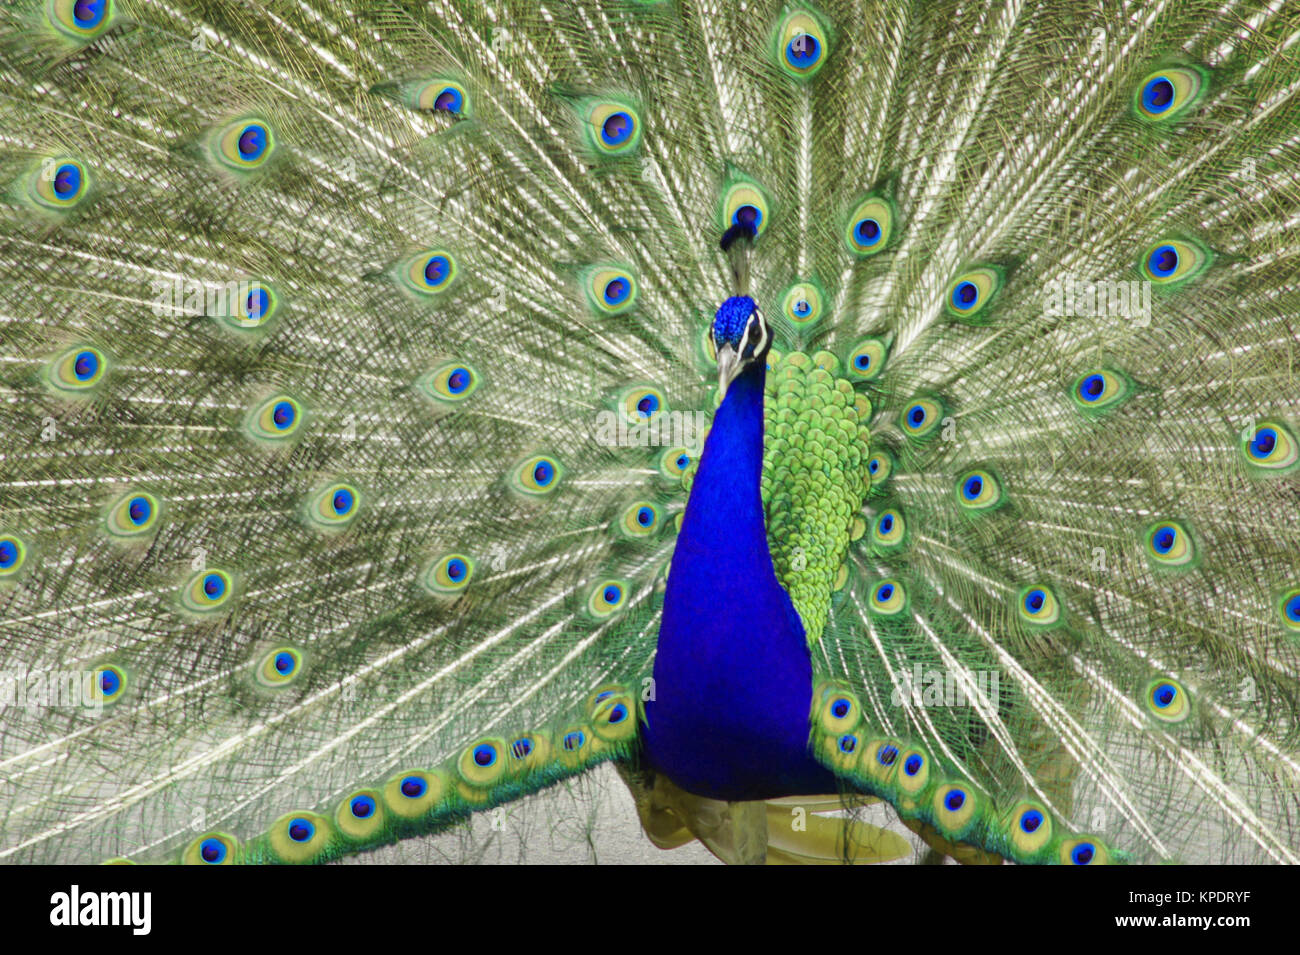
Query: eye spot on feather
point(1174, 262)
point(612, 711)
point(913, 772)
point(979, 490)
point(744, 204)
point(1168, 544)
point(1289, 610)
point(59, 183)
point(607, 598)
point(888, 598)
point(1083, 851)
point(641, 404)
point(1168, 93)
point(839, 711)
point(480, 764)
point(449, 383)
point(412, 793)
point(362, 807)
point(299, 837)
point(970, 294)
point(275, 420)
point(1271, 448)
point(867, 359)
point(207, 591)
point(613, 128)
point(1029, 828)
point(213, 848)
point(1099, 390)
point(922, 418)
point(13, 554)
point(640, 520)
point(800, 45)
point(429, 274)
point(954, 807)
point(77, 370)
point(802, 304)
point(610, 289)
point(870, 226)
point(333, 507)
point(1039, 607)
point(243, 145)
point(133, 515)
point(889, 529)
point(106, 685)
point(1167, 701)
point(449, 574)
point(80, 20)
point(280, 667)
point(537, 476)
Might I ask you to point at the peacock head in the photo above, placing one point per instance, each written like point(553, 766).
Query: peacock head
point(740, 337)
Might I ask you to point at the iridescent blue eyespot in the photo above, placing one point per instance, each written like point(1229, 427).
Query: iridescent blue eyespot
point(683, 462)
point(647, 405)
point(1092, 387)
point(916, 416)
point(285, 663)
point(342, 501)
point(455, 569)
point(617, 290)
point(109, 682)
point(543, 472)
point(1083, 853)
point(1163, 261)
point(214, 585)
point(955, 800)
point(887, 754)
point(520, 748)
point(1030, 821)
point(1158, 94)
point(413, 787)
point(436, 270)
point(450, 100)
point(574, 741)
point(67, 180)
point(301, 830)
point(645, 516)
point(972, 488)
point(617, 713)
point(840, 708)
point(485, 755)
point(1034, 600)
point(1293, 609)
point(458, 380)
point(1164, 695)
point(867, 232)
point(848, 743)
point(8, 553)
point(283, 415)
point(913, 765)
point(862, 362)
point(212, 851)
point(86, 365)
point(613, 594)
point(252, 142)
point(803, 51)
point(885, 593)
point(363, 807)
point(886, 524)
point(1163, 539)
point(965, 295)
point(617, 128)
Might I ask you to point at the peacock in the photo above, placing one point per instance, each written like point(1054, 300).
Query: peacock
point(408, 407)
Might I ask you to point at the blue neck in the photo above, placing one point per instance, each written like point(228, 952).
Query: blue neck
point(733, 679)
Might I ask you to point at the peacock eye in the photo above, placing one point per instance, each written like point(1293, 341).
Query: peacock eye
point(1175, 261)
point(869, 226)
point(745, 204)
point(613, 128)
point(800, 45)
point(1168, 93)
point(79, 19)
point(970, 294)
point(243, 145)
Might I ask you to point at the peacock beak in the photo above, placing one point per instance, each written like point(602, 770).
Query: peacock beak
point(728, 369)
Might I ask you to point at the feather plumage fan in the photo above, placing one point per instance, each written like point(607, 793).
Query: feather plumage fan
point(376, 449)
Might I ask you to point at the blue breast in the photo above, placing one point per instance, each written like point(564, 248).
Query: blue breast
point(733, 678)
